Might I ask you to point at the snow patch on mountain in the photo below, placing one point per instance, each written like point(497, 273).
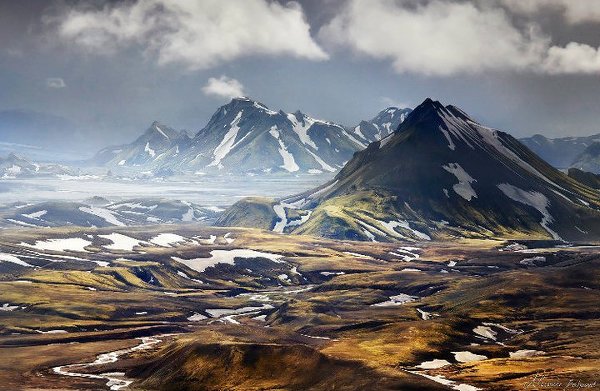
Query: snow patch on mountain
point(463, 188)
point(149, 150)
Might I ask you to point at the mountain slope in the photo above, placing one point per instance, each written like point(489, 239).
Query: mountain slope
point(587, 178)
point(442, 175)
point(559, 152)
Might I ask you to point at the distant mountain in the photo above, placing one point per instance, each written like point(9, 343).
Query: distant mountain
point(559, 152)
point(45, 137)
point(14, 166)
point(98, 212)
point(440, 175)
point(384, 124)
point(245, 136)
point(589, 159)
point(158, 144)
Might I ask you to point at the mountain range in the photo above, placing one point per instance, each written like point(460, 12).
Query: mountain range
point(565, 152)
point(14, 166)
point(245, 136)
point(440, 175)
point(99, 212)
point(46, 137)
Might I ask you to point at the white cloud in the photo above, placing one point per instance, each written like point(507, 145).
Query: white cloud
point(574, 11)
point(442, 38)
point(437, 38)
point(55, 82)
point(573, 58)
point(223, 87)
point(197, 34)
point(391, 102)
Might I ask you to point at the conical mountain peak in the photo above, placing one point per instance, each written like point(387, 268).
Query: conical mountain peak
point(428, 108)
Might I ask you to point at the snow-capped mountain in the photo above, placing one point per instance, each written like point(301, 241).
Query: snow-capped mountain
point(589, 159)
point(441, 175)
point(559, 152)
point(384, 124)
point(157, 145)
point(246, 136)
point(14, 166)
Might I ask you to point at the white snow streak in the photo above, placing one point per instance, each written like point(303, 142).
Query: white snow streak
point(324, 165)
point(534, 199)
point(13, 259)
point(104, 214)
point(301, 129)
point(35, 215)
point(227, 143)
point(289, 164)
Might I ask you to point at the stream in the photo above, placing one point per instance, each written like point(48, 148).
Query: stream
point(114, 380)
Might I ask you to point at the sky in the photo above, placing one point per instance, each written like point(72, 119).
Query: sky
point(113, 67)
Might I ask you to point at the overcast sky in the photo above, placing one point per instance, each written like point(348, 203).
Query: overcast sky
point(524, 66)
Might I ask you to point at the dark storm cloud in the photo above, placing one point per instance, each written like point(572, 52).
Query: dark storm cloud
point(524, 69)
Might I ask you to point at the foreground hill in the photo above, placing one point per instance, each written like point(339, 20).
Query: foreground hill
point(441, 175)
point(186, 307)
point(245, 136)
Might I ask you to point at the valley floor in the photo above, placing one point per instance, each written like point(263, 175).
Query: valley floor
point(199, 308)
